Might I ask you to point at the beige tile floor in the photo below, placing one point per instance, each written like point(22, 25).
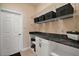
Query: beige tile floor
point(28, 52)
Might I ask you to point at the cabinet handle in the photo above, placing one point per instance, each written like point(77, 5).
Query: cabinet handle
point(19, 34)
point(39, 44)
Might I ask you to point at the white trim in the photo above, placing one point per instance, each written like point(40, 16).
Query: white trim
point(22, 32)
point(29, 40)
point(10, 10)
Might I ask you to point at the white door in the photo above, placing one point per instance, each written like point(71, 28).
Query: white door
point(11, 34)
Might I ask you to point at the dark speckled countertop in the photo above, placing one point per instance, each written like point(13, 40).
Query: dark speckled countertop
point(59, 38)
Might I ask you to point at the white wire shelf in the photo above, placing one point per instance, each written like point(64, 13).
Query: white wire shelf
point(34, 42)
point(62, 17)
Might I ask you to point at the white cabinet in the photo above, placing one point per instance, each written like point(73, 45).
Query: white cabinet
point(38, 46)
point(57, 49)
point(52, 45)
point(47, 48)
point(52, 48)
point(64, 50)
point(42, 47)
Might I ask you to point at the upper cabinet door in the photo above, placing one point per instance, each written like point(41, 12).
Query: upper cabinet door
point(62, 4)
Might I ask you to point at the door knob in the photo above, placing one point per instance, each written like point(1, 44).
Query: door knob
point(19, 34)
point(40, 44)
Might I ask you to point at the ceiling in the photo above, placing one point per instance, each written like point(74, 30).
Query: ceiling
point(35, 4)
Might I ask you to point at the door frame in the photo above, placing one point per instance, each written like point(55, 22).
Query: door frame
point(19, 13)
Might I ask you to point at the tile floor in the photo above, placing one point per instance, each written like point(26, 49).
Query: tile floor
point(28, 52)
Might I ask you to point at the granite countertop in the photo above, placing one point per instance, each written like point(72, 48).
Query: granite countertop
point(59, 38)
